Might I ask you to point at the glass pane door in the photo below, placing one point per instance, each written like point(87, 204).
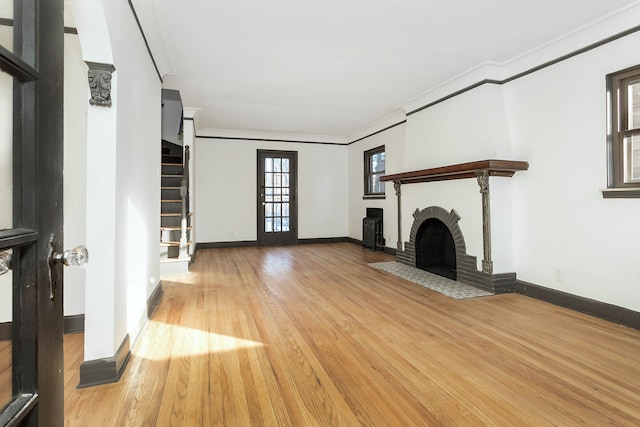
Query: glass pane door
point(6, 222)
point(276, 197)
point(31, 137)
point(276, 206)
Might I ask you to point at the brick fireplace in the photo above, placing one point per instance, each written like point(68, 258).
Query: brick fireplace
point(444, 251)
point(466, 270)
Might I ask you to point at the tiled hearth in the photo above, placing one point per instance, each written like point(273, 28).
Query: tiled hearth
point(448, 287)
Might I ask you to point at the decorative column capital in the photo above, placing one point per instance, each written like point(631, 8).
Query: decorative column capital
point(397, 186)
point(99, 75)
point(483, 181)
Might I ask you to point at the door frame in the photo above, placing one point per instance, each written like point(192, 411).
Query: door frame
point(37, 65)
point(292, 237)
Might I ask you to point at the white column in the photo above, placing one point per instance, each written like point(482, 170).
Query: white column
point(101, 229)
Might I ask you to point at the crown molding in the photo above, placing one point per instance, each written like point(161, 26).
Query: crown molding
point(270, 136)
point(595, 34)
point(483, 73)
point(393, 119)
point(600, 32)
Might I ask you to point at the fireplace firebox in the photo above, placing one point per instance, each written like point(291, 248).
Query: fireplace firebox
point(435, 249)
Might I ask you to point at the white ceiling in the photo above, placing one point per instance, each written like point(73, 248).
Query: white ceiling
point(334, 67)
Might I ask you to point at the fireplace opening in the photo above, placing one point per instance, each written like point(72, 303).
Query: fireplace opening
point(435, 249)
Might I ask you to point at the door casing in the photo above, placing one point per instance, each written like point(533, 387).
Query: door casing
point(37, 64)
point(278, 238)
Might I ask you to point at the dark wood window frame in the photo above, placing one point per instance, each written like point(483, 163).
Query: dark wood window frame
point(368, 194)
point(617, 129)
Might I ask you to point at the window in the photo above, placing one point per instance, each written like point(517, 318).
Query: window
point(373, 170)
point(623, 139)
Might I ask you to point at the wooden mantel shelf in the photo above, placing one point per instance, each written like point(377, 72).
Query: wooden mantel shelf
point(504, 168)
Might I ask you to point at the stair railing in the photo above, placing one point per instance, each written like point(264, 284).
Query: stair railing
point(184, 196)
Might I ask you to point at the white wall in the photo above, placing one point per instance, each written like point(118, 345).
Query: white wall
point(567, 236)
point(226, 177)
point(76, 96)
point(550, 224)
point(138, 136)
point(393, 140)
point(123, 174)
point(465, 128)
point(430, 139)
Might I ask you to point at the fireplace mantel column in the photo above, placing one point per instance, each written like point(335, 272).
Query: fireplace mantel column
point(483, 182)
point(396, 186)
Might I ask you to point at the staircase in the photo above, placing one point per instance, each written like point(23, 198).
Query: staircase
point(175, 218)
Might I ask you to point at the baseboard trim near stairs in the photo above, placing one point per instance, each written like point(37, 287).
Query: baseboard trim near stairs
point(235, 244)
point(106, 370)
point(154, 299)
point(321, 240)
point(250, 243)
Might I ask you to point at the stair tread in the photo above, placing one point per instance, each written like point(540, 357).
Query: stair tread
point(173, 244)
point(171, 200)
point(177, 259)
point(173, 227)
point(170, 214)
point(171, 164)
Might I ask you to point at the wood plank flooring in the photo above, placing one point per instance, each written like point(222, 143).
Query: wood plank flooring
point(5, 373)
point(311, 335)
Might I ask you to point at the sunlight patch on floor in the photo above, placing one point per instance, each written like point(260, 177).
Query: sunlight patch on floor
point(173, 341)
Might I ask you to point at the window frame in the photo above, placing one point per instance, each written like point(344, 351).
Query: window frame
point(617, 130)
point(368, 154)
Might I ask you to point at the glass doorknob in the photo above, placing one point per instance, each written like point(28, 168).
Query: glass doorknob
point(5, 261)
point(76, 257)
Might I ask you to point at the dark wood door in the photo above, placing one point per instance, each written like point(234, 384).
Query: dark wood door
point(277, 197)
point(34, 67)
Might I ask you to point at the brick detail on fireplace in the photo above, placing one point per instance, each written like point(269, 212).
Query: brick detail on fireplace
point(466, 265)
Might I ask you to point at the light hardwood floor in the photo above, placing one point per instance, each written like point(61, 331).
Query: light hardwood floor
point(5, 372)
point(311, 335)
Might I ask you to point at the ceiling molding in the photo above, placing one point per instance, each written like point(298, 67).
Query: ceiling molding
point(601, 31)
point(598, 33)
point(233, 134)
point(392, 120)
point(477, 77)
point(379, 131)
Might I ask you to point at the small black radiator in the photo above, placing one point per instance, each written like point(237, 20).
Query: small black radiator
point(372, 230)
point(372, 233)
